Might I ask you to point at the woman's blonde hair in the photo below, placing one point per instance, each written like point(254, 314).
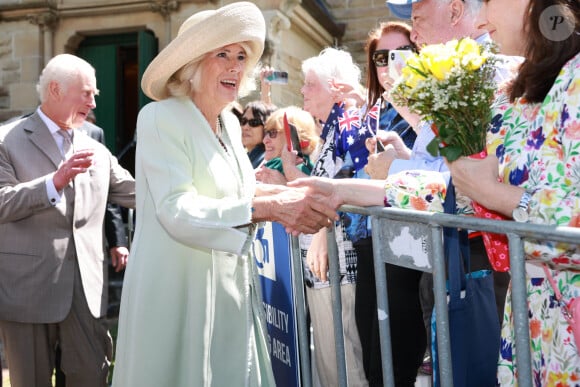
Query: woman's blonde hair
point(303, 121)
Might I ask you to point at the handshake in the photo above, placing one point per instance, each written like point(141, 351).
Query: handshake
point(299, 209)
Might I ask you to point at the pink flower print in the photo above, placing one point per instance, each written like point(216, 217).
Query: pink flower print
point(572, 130)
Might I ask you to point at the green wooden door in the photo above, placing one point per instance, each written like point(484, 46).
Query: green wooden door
point(104, 60)
point(120, 98)
point(147, 44)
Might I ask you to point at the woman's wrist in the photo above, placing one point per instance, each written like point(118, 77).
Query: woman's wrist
point(261, 209)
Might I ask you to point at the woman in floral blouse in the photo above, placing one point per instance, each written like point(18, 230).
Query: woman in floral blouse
point(534, 162)
point(534, 145)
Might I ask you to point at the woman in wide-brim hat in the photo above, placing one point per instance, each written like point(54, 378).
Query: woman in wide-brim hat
point(190, 315)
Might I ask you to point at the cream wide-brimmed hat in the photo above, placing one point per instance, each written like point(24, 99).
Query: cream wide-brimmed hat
point(204, 32)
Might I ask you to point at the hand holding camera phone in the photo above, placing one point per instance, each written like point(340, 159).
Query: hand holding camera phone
point(292, 139)
point(397, 60)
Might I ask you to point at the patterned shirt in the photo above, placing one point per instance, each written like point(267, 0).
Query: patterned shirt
point(538, 147)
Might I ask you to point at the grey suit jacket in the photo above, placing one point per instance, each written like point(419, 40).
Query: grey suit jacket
point(39, 242)
point(115, 233)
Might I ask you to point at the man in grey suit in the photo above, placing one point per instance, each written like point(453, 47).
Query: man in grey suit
point(55, 182)
point(115, 234)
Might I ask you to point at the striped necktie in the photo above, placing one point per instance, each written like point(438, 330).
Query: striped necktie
point(67, 148)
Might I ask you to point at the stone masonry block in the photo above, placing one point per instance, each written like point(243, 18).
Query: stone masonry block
point(26, 43)
point(23, 96)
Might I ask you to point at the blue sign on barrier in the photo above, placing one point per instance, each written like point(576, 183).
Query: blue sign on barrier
point(273, 258)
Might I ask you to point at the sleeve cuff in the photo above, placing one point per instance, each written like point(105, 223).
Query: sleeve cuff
point(53, 196)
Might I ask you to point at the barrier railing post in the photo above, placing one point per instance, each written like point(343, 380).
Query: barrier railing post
point(334, 277)
point(302, 326)
point(382, 307)
point(520, 310)
point(441, 311)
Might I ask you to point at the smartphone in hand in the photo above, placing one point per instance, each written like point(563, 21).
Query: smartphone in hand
point(280, 77)
point(398, 60)
point(292, 139)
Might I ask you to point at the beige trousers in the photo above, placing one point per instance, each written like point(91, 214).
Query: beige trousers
point(320, 307)
point(84, 341)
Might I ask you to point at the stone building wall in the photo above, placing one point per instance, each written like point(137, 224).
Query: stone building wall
point(32, 31)
point(360, 16)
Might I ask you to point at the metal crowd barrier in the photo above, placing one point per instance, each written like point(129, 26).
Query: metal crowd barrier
point(389, 224)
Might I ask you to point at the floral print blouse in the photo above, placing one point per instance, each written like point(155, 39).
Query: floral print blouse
point(538, 148)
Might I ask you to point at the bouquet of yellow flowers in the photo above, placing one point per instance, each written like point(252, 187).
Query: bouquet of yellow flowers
point(452, 86)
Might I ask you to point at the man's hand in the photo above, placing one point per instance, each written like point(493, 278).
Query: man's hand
point(79, 162)
point(119, 257)
point(321, 189)
point(296, 209)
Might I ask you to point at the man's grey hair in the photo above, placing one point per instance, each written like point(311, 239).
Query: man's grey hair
point(63, 69)
point(472, 7)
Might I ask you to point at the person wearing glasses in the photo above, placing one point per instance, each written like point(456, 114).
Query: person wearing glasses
point(396, 124)
point(534, 134)
point(408, 334)
point(252, 122)
point(280, 165)
point(331, 94)
point(438, 21)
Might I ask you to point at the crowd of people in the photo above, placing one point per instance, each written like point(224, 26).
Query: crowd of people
point(208, 172)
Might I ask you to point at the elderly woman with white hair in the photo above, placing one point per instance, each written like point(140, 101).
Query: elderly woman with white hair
point(338, 113)
point(190, 310)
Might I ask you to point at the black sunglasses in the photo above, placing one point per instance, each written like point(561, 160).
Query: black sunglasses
point(272, 133)
point(253, 122)
point(381, 57)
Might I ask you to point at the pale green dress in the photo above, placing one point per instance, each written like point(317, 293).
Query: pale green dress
point(190, 310)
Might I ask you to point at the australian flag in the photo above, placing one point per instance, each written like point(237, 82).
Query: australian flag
point(355, 129)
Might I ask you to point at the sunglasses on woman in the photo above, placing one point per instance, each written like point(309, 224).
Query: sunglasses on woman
point(253, 122)
point(272, 133)
point(381, 57)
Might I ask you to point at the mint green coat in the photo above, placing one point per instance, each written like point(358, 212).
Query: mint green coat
point(190, 310)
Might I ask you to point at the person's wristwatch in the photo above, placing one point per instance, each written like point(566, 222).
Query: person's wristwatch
point(520, 213)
